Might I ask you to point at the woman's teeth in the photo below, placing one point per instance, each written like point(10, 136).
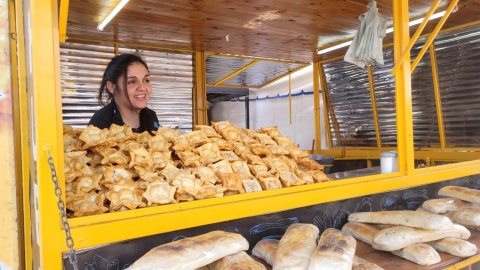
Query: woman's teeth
point(140, 96)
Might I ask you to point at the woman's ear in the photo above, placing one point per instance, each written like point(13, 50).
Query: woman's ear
point(111, 87)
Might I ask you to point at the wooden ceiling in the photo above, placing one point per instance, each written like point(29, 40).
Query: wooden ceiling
point(279, 29)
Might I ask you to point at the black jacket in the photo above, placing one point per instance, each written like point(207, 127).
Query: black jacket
point(109, 115)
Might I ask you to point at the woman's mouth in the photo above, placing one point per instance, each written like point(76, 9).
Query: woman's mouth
point(140, 96)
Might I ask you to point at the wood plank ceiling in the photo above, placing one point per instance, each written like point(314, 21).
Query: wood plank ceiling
point(278, 29)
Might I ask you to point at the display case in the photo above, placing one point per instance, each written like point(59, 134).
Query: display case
point(40, 133)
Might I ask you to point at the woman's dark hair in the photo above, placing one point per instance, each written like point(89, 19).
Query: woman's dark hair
point(116, 69)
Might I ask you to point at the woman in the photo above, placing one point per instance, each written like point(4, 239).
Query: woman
point(126, 84)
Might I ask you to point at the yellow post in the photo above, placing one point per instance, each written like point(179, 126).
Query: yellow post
point(323, 82)
point(290, 96)
point(374, 107)
point(45, 119)
point(63, 19)
point(316, 106)
point(403, 89)
point(200, 91)
point(236, 72)
point(438, 99)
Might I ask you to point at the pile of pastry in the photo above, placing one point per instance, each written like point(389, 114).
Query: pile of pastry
point(438, 225)
point(299, 248)
point(115, 169)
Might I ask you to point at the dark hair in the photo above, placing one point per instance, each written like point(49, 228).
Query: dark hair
point(116, 69)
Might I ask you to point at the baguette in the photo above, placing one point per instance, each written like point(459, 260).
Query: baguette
point(443, 205)
point(237, 261)
point(191, 253)
point(335, 251)
point(296, 247)
point(417, 219)
point(361, 264)
point(468, 216)
point(414, 252)
point(454, 246)
point(419, 253)
point(265, 249)
point(398, 237)
point(448, 215)
point(466, 194)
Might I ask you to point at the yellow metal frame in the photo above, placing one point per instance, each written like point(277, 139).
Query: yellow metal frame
point(236, 72)
point(438, 100)
point(316, 106)
point(63, 19)
point(45, 107)
point(374, 107)
point(200, 92)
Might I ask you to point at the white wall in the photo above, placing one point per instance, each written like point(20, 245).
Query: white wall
point(276, 111)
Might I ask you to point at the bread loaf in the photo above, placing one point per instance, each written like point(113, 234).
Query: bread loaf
point(448, 215)
point(398, 237)
point(237, 261)
point(361, 264)
point(454, 246)
point(466, 194)
point(468, 216)
point(418, 219)
point(443, 205)
point(191, 253)
point(296, 247)
point(361, 231)
point(419, 253)
point(335, 251)
point(265, 249)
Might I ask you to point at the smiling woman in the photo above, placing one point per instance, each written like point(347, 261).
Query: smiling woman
point(126, 84)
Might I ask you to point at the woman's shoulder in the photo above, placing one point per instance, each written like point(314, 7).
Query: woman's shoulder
point(103, 118)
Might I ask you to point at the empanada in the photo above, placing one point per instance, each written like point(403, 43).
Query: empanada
point(139, 157)
point(71, 143)
point(285, 142)
point(147, 175)
point(158, 144)
point(93, 136)
point(253, 159)
point(196, 138)
point(160, 192)
point(309, 164)
point(168, 133)
point(120, 133)
point(206, 174)
point(290, 179)
point(209, 131)
point(190, 159)
point(124, 194)
point(240, 149)
point(67, 129)
point(261, 151)
point(210, 153)
point(260, 170)
point(264, 139)
point(181, 143)
point(143, 138)
point(277, 150)
point(161, 159)
point(112, 156)
point(87, 204)
point(223, 144)
point(277, 164)
point(220, 125)
point(296, 153)
point(249, 132)
point(222, 167)
point(232, 182)
point(268, 183)
point(271, 131)
point(187, 184)
point(231, 134)
point(87, 183)
point(251, 185)
point(308, 178)
point(230, 156)
point(319, 176)
point(211, 192)
point(241, 167)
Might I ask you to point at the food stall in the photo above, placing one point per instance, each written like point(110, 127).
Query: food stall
point(40, 130)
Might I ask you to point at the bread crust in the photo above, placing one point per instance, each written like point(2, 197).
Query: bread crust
point(418, 219)
point(466, 194)
point(265, 249)
point(335, 251)
point(238, 261)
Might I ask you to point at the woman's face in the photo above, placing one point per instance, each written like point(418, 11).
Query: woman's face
point(138, 88)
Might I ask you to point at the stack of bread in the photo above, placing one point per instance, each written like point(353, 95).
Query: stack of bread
point(416, 235)
point(115, 169)
point(299, 248)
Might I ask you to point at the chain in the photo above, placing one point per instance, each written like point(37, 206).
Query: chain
point(61, 207)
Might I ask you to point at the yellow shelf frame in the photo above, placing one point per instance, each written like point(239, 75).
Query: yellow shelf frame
point(45, 123)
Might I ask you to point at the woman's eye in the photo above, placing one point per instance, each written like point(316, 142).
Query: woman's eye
point(146, 81)
point(132, 82)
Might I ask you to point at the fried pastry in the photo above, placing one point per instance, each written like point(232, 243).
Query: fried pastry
point(249, 132)
point(158, 144)
point(205, 174)
point(168, 133)
point(187, 187)
point(309, 164)
point(119, 133)
point(261, 151)
point(211, 192)
point(277, 164)
point(71, 143)
point(93, 136)
point(112, 156)
point(147, 175)
point(220, 125)
point(223, 144)
point(242, 169)
point(222, 166)
point(269, 182)
point(240, 149)
point(210, 153)
point(143, 138)
point(232, 182)
point(308, 178)
point(115, 175)
point(124, 194)
point(160, 192)
point(231, 134)
point(160, 160)
point(253, 159)
point(230, 156)
point(139, 157)
point(196, 138)
point(277, 150)
point(190, 159)
point(259, 170)
point(271, 131)
point(264, 139)
point(87, 183)
point(181, 143)
point(251, 185)
point(208, 130)
point(319, 176)
point(67, 129)
point(290, 179)
point(285, 142)
point(171, 172)
point(87, 204)
point(291, 163)
point(296, 153)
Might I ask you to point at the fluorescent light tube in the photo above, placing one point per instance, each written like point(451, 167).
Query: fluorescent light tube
point(112, 14)
point(389, 30)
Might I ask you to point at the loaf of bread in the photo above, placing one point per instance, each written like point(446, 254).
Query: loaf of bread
point(191, 253)
point(462, 193)
point(361, 231)
point(418, 219)
point(468, 216)
point(265, 249)
point(448, 215)
point(443, 205)
point(361, 264)
point(454, 246)
point(415, 252)
point(238, 261)
point(419, 253)
point(335, 251)
point(398, 237)
point(296, 247)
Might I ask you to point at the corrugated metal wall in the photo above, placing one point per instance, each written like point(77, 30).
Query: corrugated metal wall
point(458, 58)
point(82, 67)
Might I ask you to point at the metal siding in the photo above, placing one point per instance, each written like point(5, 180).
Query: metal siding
point(82, 67)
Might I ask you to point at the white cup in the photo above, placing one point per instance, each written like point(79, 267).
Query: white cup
point(388, 162)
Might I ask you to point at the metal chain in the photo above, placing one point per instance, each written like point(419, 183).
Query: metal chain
point(72, 257)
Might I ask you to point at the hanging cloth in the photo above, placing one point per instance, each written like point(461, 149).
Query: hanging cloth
point(366, 47)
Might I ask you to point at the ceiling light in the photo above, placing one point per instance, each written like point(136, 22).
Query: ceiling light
point(389, 30)
point(112, 14)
